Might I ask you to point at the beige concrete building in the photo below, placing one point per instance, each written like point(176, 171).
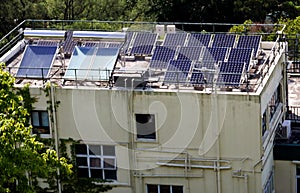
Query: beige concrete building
point(150, 135)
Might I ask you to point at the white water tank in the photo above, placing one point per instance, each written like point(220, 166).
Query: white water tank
point(160, 29)
point(171, 29)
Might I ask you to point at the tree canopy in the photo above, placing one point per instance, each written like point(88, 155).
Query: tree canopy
point(23, 159)
point(216, 11)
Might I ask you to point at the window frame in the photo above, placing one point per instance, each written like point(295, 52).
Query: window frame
point(158, 189)
point(264, 123)
point(40, 126)
point(145, 139)
point(275, 101)
point(103, 167)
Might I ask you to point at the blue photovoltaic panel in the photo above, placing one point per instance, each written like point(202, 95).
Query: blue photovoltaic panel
point(175, 39)
point(214, 54)
point(209, 64)
point(197, 77)
point(114, 45)
point(69, 44)
point(240, 55)
point(127, 42)
point(224, 40)
point(199, 39)
point(203, 73)
point(36, 61)
point(92, 63)
point(103, 44)
point(201, 77)
point(189, 53)
point(46, 43)
point(144, 43)
point(90, 44)
point(230, 73)
point(177, 71)
point(251, 41)
point(161, 56)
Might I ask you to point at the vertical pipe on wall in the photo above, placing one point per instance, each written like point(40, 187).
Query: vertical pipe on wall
point(131, 135)
point(55, 132)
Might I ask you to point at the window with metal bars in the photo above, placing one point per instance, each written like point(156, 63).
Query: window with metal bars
point(96, 161)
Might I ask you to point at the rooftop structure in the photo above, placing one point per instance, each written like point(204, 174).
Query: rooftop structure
point(79, 58)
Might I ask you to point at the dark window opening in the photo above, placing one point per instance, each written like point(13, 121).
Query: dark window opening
point(152, 188)
point(145, 126)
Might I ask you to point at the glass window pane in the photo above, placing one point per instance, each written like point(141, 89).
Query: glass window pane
point(298, 171)
point(45, 119)
point(35, 119)
point(110, 174)
point(80, 149)
point(109, 150)
point(83, 172)
point(95, 162)
point(94, 149)
point(81, 161)
point(164, 189)
point(152, 188)
point(298, 185)
point(109, 163)
point(177, 189)
point(96, 173)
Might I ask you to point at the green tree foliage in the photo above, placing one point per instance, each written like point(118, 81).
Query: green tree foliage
point(292, 25)
point(23, 159)
point(216, 11)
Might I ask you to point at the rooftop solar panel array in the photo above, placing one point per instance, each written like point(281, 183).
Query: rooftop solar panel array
point(189, 53)
point(214, 54)
point(199, 39)
point(161, 56)
point(175, 39)
point(203, 58)
point(177, 71)
point(223, 40)
point(36, 62)
point(230, 73)
point(249, 42)
point(143, 43)
point(240, 55)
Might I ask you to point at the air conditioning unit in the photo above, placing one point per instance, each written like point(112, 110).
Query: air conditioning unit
point(160, 29)
point(171, 29)
point(286, 130)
